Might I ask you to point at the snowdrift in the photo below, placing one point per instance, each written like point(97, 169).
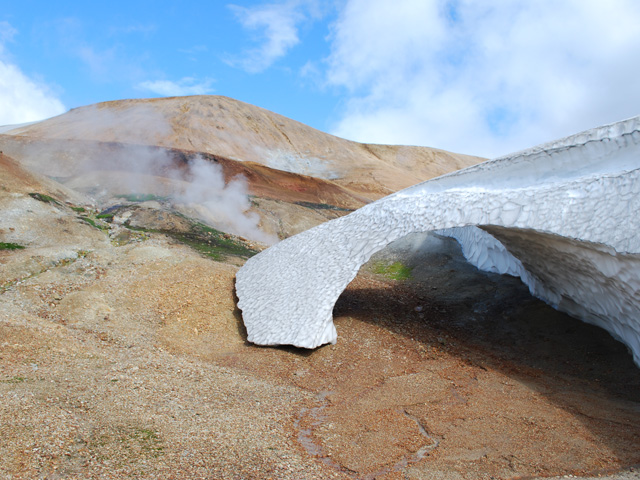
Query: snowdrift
point(563, 216)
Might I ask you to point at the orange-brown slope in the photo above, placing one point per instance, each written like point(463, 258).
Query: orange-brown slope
point(14, 178)
point(289, 187)
point(71, 159)
point(239, 131)
point(277, 184)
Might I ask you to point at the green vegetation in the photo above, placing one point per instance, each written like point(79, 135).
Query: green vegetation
point(394, 271)
point(128, 443)
point(215, 247)
point(323, 206)
point(44, 198)
point(148, 437)
point(10, 246)
point(77, 209)
point(14, 380)
point(142, 197)
point(206, 240)
point(93, 223)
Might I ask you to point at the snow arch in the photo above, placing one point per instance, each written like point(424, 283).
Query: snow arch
point(564, 216)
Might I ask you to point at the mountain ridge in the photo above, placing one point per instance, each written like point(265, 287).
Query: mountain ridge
point(240, 131)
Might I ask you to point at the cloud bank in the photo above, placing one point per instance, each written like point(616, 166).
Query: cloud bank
point(23, 99)
point(184, 86)
point(278, 32)
point(485, 78)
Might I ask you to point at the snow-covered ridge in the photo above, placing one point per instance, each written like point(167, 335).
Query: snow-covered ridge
point(598, 151)
point(562, 216)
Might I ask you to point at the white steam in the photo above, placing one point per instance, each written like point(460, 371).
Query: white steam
point(295, 163)
point(226, 205)
point(82, 148)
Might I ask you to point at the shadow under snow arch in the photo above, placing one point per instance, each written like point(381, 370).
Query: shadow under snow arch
point(563, 216)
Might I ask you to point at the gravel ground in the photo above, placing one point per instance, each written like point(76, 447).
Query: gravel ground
point(128, 359)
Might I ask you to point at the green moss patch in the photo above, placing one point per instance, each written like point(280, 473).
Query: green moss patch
point(92, 222)
point(44, 198)
point(10, 246)
point(323, 206)
point(142, 197)
point(394, 271)
point(208, 241)
point(14, 380)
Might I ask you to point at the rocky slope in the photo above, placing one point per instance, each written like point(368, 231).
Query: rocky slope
point(239, 131)
point(122, 352)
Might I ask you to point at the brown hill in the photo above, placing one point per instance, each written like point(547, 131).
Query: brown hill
point(16, 178)
point(297, 176)
point(239, 131)
point(286, 202)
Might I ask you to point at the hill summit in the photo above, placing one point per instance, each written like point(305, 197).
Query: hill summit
point(242, 132)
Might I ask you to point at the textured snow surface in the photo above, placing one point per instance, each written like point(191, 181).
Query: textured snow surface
point(563, 216)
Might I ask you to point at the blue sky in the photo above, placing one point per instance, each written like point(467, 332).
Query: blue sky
point(483, 78)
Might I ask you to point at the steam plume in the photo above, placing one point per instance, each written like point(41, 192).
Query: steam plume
point(135, 165)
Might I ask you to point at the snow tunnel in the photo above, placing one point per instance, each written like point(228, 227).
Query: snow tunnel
point(562, 216)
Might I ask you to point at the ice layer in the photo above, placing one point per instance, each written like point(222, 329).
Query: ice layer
point(563, 216)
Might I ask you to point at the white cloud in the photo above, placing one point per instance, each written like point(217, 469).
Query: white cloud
point(23, 99)
point(100, 63)
point(277, 24)
point(107, 59)
point(138, 28)
point(484, 78)
point(7, 32)
point(184, 86)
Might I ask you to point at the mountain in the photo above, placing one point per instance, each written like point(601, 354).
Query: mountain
point(296, 177)
point(238, 131)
